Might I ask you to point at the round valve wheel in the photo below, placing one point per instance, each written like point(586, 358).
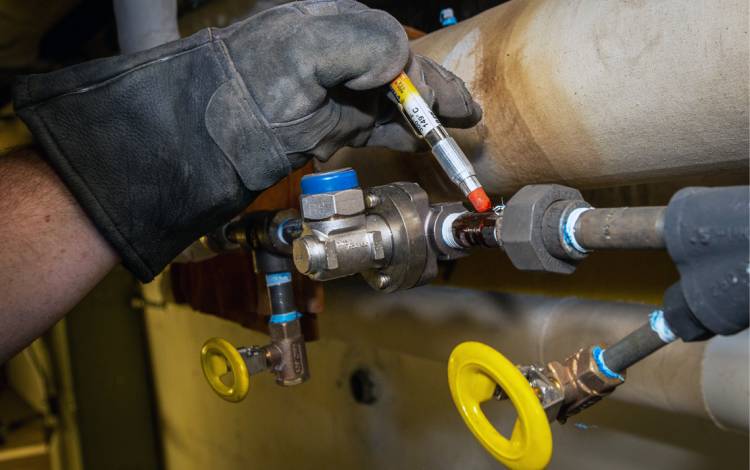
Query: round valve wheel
point(219, 358)
point(474, 370)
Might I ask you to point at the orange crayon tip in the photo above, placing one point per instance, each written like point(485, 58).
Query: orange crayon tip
point(479, 200)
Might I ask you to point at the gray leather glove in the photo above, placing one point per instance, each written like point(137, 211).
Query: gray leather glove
point(163, 146)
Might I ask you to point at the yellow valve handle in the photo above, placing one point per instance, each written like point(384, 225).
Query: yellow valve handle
point(473, 371)
point(218, 358)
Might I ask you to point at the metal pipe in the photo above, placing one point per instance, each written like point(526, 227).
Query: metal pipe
point(532, 329)
point(621, 228)
point(635, 347)
point(143, 24)
point(473, 229)
point(590, 94)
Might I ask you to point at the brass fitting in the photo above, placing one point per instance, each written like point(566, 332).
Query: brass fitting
point(581, 381)
point(287, 354)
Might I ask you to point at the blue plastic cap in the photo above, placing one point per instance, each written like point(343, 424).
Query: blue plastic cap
point(329, 181)
point(447, 17)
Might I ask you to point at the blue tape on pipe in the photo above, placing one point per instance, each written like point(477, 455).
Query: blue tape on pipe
point(284, 317)
point(597, 352)
point(275, 279)
point(660, 326)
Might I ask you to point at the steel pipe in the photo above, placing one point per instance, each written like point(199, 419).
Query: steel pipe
point(633, 348)
point(590, 93)
point(621, 228)
point(430, 321)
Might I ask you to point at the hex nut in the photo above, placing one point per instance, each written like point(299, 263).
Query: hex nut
point(581, 382)
point(564, 378)
point(591, 378)
point(522, 229)
point(255, 359)
point(325, 205)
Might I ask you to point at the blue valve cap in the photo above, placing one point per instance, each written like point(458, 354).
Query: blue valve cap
point(330, 181)
point(447, 17)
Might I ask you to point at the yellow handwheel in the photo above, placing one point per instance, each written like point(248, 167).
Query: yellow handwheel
point(473, 371)
point(218, 357)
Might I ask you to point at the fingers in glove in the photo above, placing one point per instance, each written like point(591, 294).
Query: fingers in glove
point(359, 48)
point(443, 91)
point(397, 135)
point(356, 118)
point(448, 95)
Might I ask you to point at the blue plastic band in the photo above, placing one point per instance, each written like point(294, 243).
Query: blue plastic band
point(284, 317)
point(660, 326)
point(276, 279)
point(597, 352)
point(329, 182)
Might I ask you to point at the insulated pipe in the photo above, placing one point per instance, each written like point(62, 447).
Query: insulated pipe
point(590, 93)
point(685, 378)
point(143, 24)
point(725, 373)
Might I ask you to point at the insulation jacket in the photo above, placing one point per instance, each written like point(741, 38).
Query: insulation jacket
point(590, 94)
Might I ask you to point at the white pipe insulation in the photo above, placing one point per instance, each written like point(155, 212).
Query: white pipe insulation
point(590, 93)
point(705, 379)
point(143, 24)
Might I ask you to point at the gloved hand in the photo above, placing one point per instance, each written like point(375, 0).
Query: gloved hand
point(163, 146)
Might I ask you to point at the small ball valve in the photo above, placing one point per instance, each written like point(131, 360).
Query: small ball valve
point(540, 394)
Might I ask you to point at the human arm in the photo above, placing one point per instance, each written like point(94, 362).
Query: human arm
point(51, 254)
point(161, 147)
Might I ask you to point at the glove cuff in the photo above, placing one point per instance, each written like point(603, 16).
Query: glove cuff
point(158, 147)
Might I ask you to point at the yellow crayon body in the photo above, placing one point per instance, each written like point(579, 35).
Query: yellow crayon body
point(415, 107)
point(447, 152)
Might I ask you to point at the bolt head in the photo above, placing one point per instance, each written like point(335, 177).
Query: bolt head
point(325, 205)
point(382, 281)
point(372, 200)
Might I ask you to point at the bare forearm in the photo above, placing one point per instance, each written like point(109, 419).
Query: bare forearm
point(50, 253)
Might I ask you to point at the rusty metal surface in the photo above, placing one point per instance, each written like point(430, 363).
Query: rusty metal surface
point(591, 94)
